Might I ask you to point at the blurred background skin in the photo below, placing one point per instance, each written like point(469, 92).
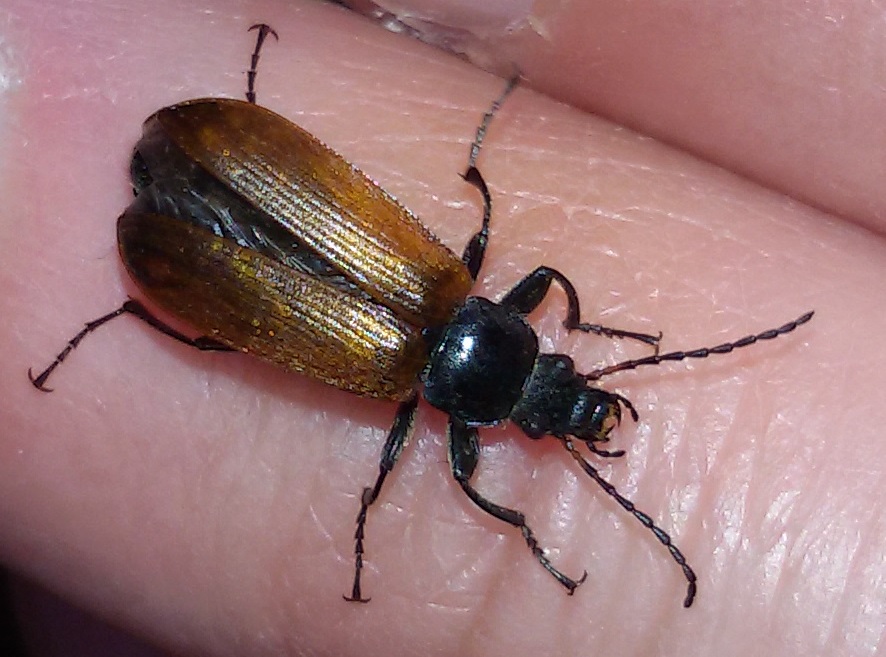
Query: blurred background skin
point(206, 503)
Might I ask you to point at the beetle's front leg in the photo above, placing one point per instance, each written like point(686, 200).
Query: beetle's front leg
point(526, 295)
point(464, 452)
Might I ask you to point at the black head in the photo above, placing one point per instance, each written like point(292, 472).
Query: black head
point(558, 401)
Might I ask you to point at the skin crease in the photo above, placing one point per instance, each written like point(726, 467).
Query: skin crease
point(695, 75)
point(206, 502)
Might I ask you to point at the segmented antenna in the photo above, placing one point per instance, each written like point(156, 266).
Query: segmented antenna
point(704, 352)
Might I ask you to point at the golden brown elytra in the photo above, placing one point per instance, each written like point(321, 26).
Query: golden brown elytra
point(372, 276)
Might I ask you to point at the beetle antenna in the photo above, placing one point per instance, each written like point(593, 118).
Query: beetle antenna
point(699, 353)
point(646, 521)
point(263, 32)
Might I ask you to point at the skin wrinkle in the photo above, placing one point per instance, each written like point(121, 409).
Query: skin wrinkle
point(838, 628)
point(473, 623)
point(873, 605)
point(809, 568)
point(797, 567)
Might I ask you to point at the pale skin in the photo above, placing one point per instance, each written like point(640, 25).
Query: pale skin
point(206, 502)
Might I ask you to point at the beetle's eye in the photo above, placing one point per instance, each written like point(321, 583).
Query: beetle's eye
point(611, 419)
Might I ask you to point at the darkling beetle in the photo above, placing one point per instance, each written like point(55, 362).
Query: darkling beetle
point(258, 235)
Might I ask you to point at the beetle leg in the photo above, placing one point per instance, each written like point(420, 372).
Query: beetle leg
point(132, 307)
point(263, 32)
point(605, 453)
point(476, 247)
point(464, 452)
point(398, 436)
point(477, 144)
point(647, 522)
point(203, 343)
point(526, 295)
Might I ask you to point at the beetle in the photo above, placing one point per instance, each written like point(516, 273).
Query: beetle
point(264, 240)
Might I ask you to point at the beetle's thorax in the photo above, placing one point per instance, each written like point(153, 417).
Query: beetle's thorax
point(480, 363)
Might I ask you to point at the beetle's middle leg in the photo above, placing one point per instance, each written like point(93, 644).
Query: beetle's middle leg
point(476, 247)
point(397, 439)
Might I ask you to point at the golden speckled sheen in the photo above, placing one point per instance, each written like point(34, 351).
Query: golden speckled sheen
point(255, 304)
point(328, 204)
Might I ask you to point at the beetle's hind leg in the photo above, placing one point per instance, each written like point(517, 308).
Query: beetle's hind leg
point(476, 247)
point(464, 452)
point(526, 295)
point(131, 307)
point(263, 32)
point(397, 439)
